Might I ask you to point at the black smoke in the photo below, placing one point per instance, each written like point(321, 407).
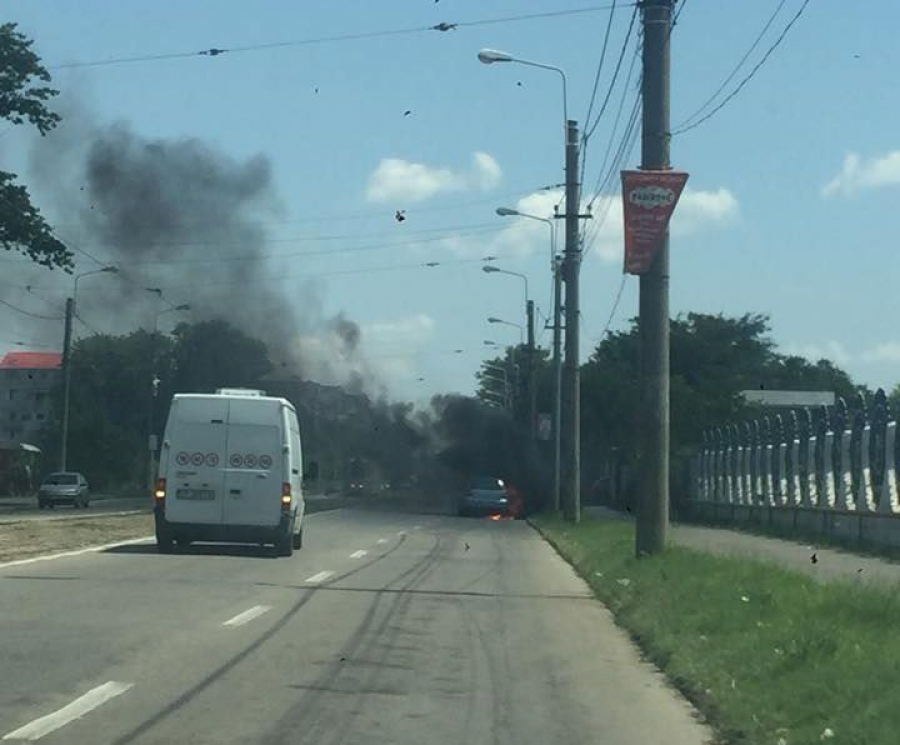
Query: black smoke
point(182, 216)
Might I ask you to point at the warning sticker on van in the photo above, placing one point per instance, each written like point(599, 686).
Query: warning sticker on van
point(265, 461)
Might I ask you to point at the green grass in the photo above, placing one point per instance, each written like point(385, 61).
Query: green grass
point(762, 652)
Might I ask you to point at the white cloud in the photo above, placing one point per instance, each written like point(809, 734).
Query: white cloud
point(830, 350)
point(886, 352)
point(857, 175)
point(406, 182)
point(487, 173)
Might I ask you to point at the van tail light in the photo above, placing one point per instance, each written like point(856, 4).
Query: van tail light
point(159, 494)
point(286, 497)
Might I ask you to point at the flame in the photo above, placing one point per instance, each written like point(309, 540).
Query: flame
point(496, 517)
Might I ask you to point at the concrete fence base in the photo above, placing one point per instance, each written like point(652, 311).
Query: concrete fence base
point(844, 526)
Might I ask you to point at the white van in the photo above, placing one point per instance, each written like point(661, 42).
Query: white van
point(230, 469)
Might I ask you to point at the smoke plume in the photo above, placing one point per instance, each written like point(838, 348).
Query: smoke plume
point(184, 217)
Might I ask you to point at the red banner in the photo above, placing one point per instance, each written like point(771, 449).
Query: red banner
point(649, 198)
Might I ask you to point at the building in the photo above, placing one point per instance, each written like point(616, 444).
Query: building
point(27, 382)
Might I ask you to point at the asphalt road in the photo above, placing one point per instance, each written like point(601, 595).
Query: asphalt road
point(384, 628)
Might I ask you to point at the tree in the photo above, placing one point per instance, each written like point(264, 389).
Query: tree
point(22, 99)
point(713, 358)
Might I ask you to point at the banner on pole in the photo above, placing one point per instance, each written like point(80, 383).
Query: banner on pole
point(648, 199)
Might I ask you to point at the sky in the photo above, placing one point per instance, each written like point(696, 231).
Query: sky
point(789, 210)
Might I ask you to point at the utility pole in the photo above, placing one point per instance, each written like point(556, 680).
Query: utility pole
point(67, 377)
point(571, 382)
point(653, 420)
point(557, 374)
point(532, 377)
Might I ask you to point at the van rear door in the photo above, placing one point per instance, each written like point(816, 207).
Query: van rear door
point(197, 441)
point(253, 474)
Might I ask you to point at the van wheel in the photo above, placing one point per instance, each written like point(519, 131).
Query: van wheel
point(284, 546)
point(164, 543)
point(297, 539)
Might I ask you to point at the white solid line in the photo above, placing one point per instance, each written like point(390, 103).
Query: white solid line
point(320, 577)
point(78, 552)
point(358, 554)
point(248, 615)
point(78, 708)
point(382, 540)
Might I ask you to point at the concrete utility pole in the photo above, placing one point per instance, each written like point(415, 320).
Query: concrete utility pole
point(532, 375)
point(653, 419)
point(557, 375)
point(67, 377)
point(571, 382)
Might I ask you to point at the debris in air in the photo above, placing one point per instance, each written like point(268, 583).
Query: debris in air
point(444, 26)
point(400, 215)
point(407, 112)
point(814, 559)
point(519, 83)
point(214, 52)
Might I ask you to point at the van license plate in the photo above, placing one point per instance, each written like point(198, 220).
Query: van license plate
point(195, 494)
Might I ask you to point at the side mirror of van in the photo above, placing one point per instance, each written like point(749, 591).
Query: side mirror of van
point(312, 471)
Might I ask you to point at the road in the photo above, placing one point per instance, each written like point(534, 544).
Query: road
point(384, 628)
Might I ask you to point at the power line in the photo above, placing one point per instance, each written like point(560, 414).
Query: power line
point(612, 313)
point(612, 11)
point(615, 77)
point(440, 27)
point(738, 66)
point(29, 313)
point(748, 77)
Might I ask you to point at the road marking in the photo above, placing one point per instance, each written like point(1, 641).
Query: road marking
point(401, 533)
point(320, 577)
point(78, 708)
point(417, 527)
point(248, 615)
point(358, 554)
point(78, 552)
point(382, 540)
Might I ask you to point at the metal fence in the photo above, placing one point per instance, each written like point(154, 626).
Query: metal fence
point(838, 461)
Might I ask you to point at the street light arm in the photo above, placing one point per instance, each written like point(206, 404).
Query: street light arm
point(561, 75)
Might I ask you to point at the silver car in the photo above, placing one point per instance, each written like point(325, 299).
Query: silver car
point(486, 495)
point(65, 487)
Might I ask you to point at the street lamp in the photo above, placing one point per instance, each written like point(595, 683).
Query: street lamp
point(491, 269)
point(510, 323)
point(570, 269)
point(556, 268)
point(154, 382)
point(67, 364)
point(490, 56)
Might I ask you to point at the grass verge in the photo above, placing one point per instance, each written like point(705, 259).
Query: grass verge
point(21, 540)
point(770, 657)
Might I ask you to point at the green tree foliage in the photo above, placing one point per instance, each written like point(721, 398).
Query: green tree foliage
point(22, 99)
point(713, 358)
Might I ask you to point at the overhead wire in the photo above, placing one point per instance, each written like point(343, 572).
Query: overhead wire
point(738, 66)
point(681, 129)
point(590, 109)
point(29, 313)
point(440, 27)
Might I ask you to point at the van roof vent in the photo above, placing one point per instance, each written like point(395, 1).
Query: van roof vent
point(248, 392)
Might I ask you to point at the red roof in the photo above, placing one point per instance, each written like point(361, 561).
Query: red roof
point(31, 361)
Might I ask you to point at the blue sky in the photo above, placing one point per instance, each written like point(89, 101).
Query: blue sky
point(790, 208)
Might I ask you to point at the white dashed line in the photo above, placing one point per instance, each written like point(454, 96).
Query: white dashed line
point(320, 577)
point(382, 540)
point(248, 615)
point(78, 708)
point(79, 552)
point(358, 554)
point(401, 532)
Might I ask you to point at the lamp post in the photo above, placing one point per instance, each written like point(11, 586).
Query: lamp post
point(66, 361)
point(570, 415)
point(154, 384)
point(532, 366)
point(556, 268)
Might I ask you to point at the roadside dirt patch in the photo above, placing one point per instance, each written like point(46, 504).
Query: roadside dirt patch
point(21, 540)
